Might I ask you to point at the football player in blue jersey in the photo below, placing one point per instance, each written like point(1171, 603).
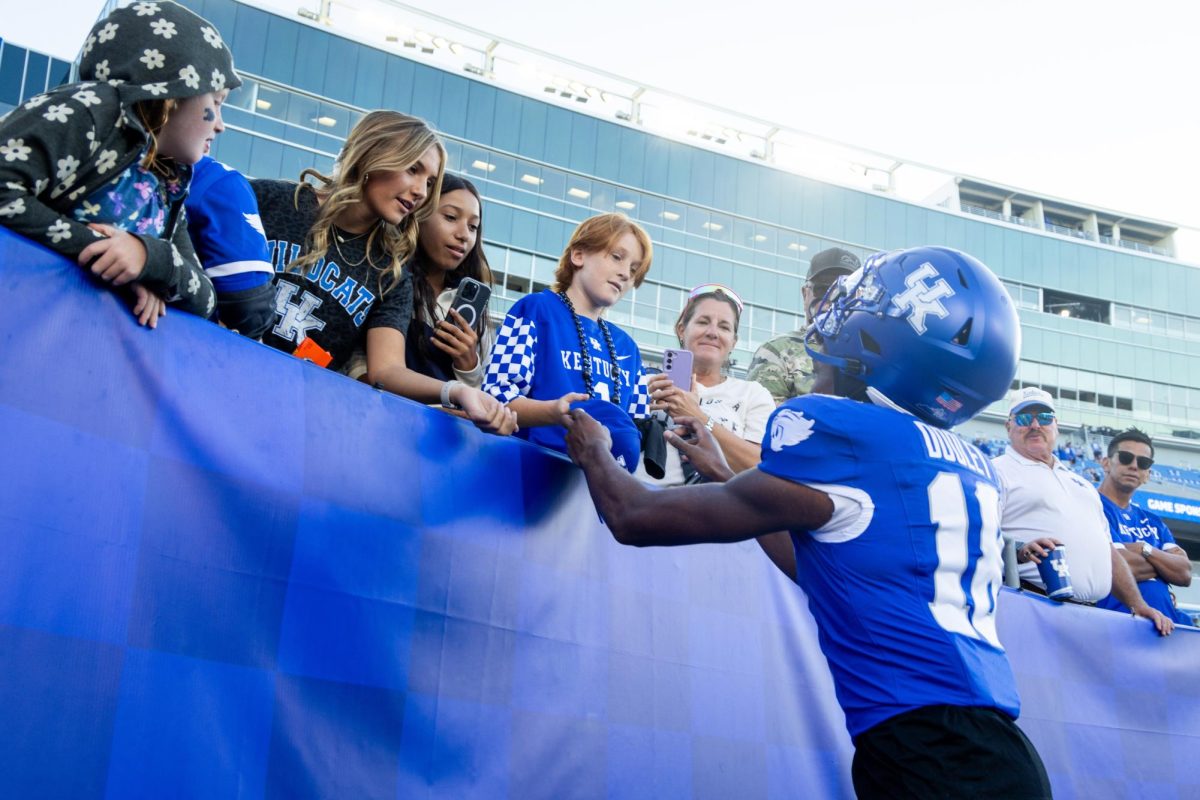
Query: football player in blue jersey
point(884, 508)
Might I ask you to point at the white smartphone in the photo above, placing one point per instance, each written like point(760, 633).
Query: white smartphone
point(677, 365)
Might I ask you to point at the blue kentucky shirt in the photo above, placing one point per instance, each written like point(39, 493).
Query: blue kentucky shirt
point(537, 355)
point(903, 590)
point(1135, 525)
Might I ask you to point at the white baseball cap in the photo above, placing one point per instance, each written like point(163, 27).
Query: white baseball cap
point(1030, 396)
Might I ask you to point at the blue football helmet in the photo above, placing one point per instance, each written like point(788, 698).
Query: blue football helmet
point(929, 328)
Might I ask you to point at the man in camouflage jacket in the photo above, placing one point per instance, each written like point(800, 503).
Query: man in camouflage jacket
point(782, 365)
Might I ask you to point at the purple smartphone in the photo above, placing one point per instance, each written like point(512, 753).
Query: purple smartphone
point(677, 365)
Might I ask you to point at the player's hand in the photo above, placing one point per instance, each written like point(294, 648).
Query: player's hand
point(1162, 622)
point(585, 436)
point(148, 306)
point(485, 411)
point(457, 339)
point(1036, 549)
point(118, 258)
point(557, 412)
point(675, 400)
point(698, 446)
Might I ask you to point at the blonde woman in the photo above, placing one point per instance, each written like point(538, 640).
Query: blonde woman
point(339, 247)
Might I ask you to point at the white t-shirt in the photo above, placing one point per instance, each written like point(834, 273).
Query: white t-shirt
point(1056, 502)
point(740, 406)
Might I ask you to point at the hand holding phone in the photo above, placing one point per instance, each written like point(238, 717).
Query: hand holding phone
point(471, 300)
point(677, 365)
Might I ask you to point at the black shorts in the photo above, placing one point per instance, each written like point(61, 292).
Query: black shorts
point(948, 752)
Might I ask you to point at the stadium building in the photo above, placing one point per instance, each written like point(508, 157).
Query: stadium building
point(1106, 301)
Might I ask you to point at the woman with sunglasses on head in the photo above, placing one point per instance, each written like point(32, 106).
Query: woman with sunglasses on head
point(735, 411)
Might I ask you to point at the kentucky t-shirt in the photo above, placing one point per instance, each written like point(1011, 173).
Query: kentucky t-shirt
point(335, 300)
point(537, 355)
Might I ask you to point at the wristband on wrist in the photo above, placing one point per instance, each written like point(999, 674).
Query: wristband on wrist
point(448, 387)
point(708, 426)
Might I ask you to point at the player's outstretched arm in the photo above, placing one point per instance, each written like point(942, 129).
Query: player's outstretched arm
point(698, 446)
point(751, 504)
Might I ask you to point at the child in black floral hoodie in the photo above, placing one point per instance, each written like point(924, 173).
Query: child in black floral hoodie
point(98, 170)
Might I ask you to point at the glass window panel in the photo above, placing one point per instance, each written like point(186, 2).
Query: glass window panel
point(649, 209)
point(578, 191)
point(477, 164)
point(627, 202)
point(743, 234)
point(505, 168)
point(554, 183)
point(272, 102)
point(333, 120)
point(645, 314)
point(671, 299)
point(720, 227)
point(528, 177)
point(604, 195)
point(1121, 316)
point(1174, 325)
point(673, 215)
point(454, 159)
point(243, 96)
point(543, 269)
point(12, 72)
point(303, 110)
point(765, 238)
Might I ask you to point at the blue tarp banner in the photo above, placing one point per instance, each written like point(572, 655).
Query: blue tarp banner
point(228, 573)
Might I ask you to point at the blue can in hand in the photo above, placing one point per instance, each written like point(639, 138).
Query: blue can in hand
point(1056, 575)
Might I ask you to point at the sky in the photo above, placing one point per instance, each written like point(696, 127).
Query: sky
point(1085, 100)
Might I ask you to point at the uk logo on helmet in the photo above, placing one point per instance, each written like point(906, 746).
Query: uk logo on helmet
point(920, 298)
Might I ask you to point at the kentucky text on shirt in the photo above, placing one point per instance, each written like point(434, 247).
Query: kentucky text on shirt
point(572, 360)
point(948, 447)
point(352, 297)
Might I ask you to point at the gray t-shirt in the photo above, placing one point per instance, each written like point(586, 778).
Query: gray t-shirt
point(339, 298)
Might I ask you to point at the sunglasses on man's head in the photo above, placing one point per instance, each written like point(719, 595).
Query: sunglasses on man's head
point(1025, 419)
point(1127, 458)
point(716, 288)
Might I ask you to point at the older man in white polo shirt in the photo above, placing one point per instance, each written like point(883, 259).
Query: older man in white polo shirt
point(1046, 504)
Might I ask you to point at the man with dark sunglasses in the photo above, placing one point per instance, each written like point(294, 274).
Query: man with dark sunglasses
point(782, 364)
point(1047, 504)
point(1144, 540)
